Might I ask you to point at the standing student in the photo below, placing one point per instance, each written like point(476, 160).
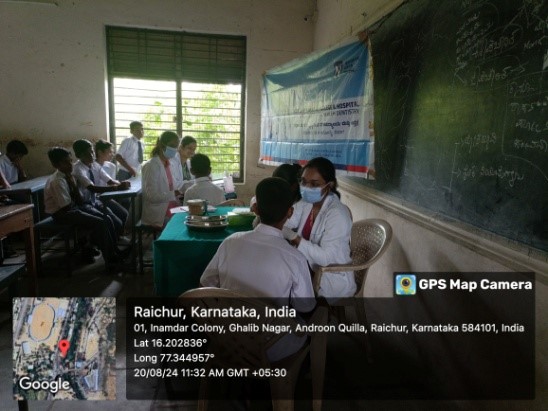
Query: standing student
point(93, 180)
point(323, 226)
point(130, 152)
point(158, 186)
point(203, 188)
point(10, 163)
point(63, 202)
point(104, 153)
point(282, 274)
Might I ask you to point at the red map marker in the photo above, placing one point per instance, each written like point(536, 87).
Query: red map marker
point(63, 347)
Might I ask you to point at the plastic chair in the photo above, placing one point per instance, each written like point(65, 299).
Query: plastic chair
point(249, 350)
point(369, 240)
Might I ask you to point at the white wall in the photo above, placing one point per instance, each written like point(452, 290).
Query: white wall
point(424, 242)
point(53, 65)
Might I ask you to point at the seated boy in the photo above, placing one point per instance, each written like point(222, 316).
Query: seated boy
point(283, 271)
point(203, 188)
point(63, 202)
point(10, 163)
point(93, 180)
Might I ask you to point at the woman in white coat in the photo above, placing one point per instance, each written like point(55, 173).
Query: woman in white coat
point(320, 227)
point(158, 185)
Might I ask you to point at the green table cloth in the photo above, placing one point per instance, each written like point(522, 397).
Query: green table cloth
point(181, 255)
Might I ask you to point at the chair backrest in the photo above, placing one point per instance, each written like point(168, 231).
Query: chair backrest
point(368, 241)
point(236, 349)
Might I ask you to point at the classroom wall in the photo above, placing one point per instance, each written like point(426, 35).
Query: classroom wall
point(53, 65)
point(424, 242)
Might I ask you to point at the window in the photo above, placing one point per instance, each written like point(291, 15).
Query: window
point(191, 83)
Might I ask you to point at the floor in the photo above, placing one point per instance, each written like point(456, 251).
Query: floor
point(90, 280)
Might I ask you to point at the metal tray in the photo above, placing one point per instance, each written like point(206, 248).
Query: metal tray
point(207, 226)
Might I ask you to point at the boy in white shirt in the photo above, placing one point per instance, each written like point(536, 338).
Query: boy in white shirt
point(93, 180)
point(10, 163)
point(282, 274)
point(63, 202)
point(130, 152)
point(203, 188)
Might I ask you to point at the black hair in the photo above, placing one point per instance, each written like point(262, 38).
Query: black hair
point(326, 170)
point(80, 146)
point(17, 147)
point(290, 173)
point(57, 154)
point(165, 139)
point(200, 165)
point(274, 198)
point(102, 145)
point(134, 124)
point(188, 140)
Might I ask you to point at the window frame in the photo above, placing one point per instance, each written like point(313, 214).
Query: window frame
point(230, 70)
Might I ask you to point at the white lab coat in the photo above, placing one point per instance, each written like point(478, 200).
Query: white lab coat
point(156, 192)
point(329, 243)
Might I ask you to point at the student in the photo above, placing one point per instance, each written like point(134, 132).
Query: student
point(93, 180)
point(104, 153)
point(63, 202)
point(283, 272)
point(203, 188)
point(323, 227)
point(10, 163)
point(159, 191)
point(130, 152)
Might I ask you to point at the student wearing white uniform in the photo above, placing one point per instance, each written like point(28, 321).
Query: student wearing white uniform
point(159, 191)
point(323, 226)
point(10, 163)
point(105, 152)
point(203, 188)
point(282, 274)
point(93, 180)
point(130, 152)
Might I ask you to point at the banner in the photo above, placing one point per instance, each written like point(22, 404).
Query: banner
point(320, 105)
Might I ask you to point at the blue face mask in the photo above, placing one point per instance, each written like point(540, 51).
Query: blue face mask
point(311, 194)
point(170, 152)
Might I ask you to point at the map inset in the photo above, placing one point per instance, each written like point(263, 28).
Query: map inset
point(64, 348)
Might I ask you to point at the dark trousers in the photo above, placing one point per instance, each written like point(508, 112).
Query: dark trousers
point(117, 214)
point(101, 227)
point(123, 175)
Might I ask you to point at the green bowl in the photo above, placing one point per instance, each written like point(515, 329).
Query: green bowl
point(240, 220)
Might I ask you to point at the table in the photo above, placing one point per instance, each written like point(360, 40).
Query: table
point(36, 187)
point(181, 255)
point(132, 193)
point(19, 217)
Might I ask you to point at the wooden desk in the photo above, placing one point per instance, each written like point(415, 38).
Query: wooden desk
point(36, 187)
point(19, 217)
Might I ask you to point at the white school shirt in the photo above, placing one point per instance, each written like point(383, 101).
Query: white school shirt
point(329, 243)
point(56, 193)
point(156, 192)
point(129, 150)
point(204, 189)
point(282, 275)
point(8, 169)
point(81, 173)
point(110, 169)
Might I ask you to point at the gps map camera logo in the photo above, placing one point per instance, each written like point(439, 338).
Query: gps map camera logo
point(406, 284)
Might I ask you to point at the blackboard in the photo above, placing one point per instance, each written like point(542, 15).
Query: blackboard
point(461, 97)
